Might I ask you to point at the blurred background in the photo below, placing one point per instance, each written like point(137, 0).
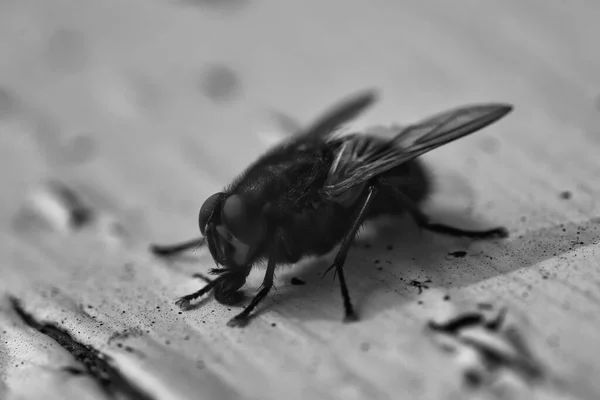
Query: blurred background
point(132, 112)
point(173, 98)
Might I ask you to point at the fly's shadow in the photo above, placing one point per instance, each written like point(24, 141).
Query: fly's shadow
point(418, 254)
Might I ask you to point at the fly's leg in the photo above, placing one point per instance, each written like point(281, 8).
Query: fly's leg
point(173, 249)
point(184, 302)
point(170, 250)
point(340, 258)
point(244, 317)
point(423, 221)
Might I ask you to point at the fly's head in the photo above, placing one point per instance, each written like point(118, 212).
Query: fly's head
point(233, 231)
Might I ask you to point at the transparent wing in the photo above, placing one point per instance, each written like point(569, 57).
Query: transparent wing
point(330, 121)
point(340, 114)
point(324, 128)
point(359, 160)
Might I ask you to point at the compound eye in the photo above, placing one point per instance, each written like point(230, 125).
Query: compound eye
point(207, 210)
point(242, 223)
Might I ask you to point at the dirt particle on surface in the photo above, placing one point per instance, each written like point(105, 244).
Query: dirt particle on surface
point(297, 281)
point(420, 284)
point(565, 195)
point(458, 254)
point(133, 332)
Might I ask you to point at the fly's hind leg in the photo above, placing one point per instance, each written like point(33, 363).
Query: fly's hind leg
point(174, 249)
point(424, 222)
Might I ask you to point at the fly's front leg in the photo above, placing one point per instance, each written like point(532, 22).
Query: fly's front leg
point(184, 301)
point(423, 221)
point(244, 317)
point(338, 263)
point(173, 249)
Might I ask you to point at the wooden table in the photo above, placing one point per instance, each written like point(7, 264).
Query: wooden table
point(144, 108)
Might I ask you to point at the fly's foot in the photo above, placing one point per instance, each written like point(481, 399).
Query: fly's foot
point(183, 303)
point(496, 233)
point(239, 321)
point(350, 317)
point(500, 232)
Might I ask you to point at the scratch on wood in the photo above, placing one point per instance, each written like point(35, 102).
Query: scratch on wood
point(61, 207)
point(96, 364)
point(495, 347)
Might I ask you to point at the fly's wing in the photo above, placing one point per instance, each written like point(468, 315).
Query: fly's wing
point(330, 121)
point(340, 114)
point(325, 127)
point(361, 159)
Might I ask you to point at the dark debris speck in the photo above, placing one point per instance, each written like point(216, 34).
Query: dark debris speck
point(420, 285)
point(458, 254)
point(566, 195)
point(297, 281)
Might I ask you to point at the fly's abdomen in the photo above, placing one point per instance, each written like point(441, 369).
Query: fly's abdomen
point(411, 178)
point(316, 232)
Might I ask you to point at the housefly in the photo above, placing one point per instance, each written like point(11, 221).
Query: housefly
point(312, 192)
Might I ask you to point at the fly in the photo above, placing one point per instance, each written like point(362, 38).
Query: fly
point(312, 192)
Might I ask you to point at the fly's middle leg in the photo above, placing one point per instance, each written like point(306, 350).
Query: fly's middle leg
point(338, 263)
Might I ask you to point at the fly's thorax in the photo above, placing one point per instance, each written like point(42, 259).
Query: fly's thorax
point(349, 197)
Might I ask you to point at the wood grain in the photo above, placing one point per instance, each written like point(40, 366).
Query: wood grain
point(144, 108)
